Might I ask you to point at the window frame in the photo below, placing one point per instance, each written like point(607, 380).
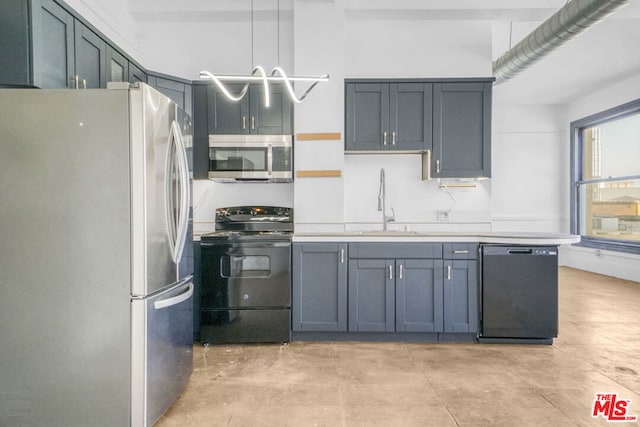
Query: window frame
point(576, 157)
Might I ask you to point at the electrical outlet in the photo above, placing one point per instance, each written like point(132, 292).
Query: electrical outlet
point(442, 215)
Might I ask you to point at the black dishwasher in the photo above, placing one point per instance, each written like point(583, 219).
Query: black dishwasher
point(519, 294)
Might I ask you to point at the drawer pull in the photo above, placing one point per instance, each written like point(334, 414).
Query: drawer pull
point(461, 252)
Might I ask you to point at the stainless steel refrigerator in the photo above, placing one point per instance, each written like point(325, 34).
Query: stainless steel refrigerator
point(96, 257)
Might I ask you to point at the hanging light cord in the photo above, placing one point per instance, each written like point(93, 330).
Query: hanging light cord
point(258, 74)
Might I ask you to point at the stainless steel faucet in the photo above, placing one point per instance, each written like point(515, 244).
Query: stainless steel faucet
point(382, 203)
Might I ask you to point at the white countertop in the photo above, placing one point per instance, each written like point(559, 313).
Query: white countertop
point(510, 238)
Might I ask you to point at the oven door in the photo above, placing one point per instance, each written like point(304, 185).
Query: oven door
point(250, 157)
point(253, 274)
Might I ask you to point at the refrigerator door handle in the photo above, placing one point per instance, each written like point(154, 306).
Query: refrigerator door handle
point(177, 158)
point(185, 201)
point(164, 303)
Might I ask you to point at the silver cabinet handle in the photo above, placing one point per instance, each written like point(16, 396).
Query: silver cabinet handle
point(393, 138)
point(270, 159)
point(460, 252)
point(74, 82)
point(390, 272)
point(438, 166)
point(244, 122)
point(341, 256)
point(253, 122)
point(384, 138)
point(401, 269)
point(449, 272)
point(84, 83)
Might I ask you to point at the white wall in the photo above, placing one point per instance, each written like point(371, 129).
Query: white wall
point(604, 262)
point(530, 160)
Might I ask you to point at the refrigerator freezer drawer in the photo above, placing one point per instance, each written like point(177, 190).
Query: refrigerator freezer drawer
point(165, 353)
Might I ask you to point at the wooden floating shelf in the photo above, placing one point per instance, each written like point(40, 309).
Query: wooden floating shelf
point(319, 173)
point(327, 136)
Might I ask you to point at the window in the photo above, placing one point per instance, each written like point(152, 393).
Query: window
point(605, 173)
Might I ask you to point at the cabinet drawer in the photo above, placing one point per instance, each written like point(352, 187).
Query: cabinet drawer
point(395, 250)
point(460, 250)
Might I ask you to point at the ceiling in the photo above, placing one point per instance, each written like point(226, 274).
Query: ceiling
point(602, 55)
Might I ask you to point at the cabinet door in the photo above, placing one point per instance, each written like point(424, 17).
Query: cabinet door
point(277, 119)
point(136, 74)
point(419, 295)
point(462, 129)
point(90, 58)
point(371, 295)
point(179, 92)
point(367, 117)
point(226, 117)
point(15, 43)
point(319, 293)
point(200, 132)
point(460, 296)
point(53, 45)
point(411, 116)
point(117, 66)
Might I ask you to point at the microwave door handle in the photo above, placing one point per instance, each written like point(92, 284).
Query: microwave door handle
point(270, 159)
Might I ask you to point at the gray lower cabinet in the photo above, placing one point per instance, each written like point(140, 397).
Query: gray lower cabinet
point(319, 287)
point(460, 271)
point(419, 295)
point(388, 116)
point(401, 295)
point(371, 295)
point(462, 129)
point(385, 287)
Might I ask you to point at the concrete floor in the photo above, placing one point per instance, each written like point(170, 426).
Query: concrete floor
point(406, 384)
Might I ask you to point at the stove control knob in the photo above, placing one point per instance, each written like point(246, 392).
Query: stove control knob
point(253, 212)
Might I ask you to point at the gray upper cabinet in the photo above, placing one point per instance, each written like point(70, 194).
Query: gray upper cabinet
point(367, 116)
point(180, 91)
point(227, 117)
point(136, 74)
point(53, 45)
point(46, 44)
point(117, 66)
point(462, 129)
point(90, 58)
point(319, 287)
point(388, 116)
point(250, 115)
point(277, 119)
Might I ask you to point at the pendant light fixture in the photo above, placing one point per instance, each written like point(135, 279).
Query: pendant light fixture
point(258, 74)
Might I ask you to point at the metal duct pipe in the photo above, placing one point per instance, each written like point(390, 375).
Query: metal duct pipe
point(574, 18)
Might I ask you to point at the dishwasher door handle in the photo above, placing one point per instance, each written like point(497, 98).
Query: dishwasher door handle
point(519, 251)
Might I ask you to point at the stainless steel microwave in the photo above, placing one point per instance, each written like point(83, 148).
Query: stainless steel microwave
point(267, 158)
